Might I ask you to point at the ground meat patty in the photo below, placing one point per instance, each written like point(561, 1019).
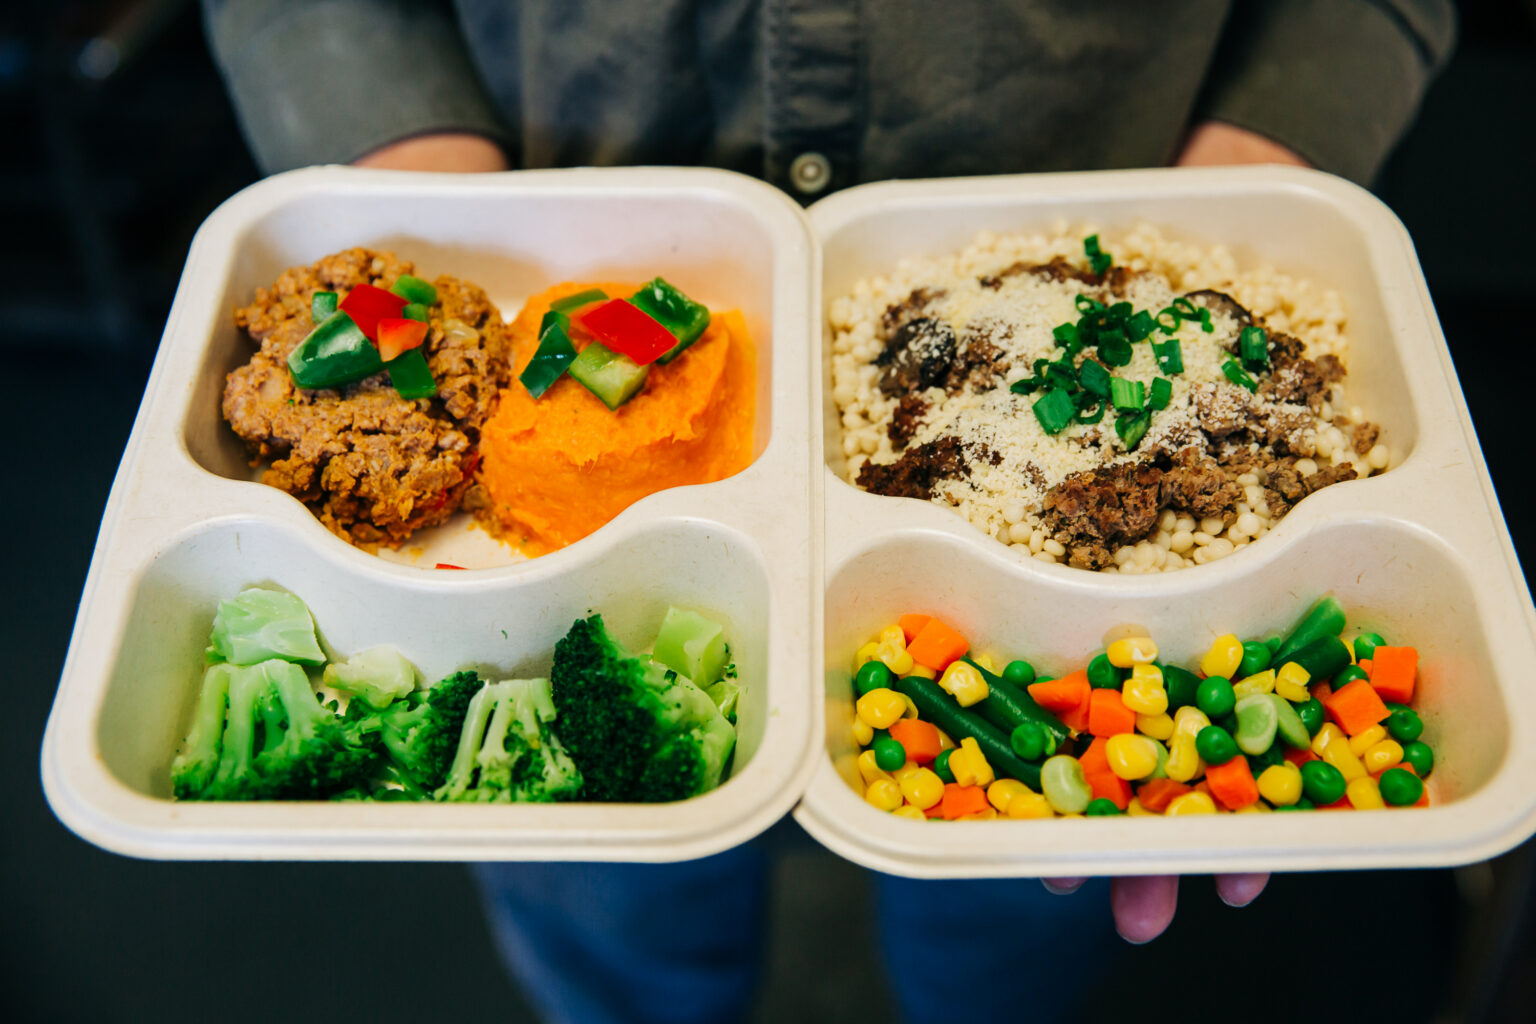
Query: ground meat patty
point(919, 469)
point(373, 466)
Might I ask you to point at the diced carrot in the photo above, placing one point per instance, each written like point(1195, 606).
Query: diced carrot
point(1077, 718)
point(1156, 794)
point(912, 624)
point(936, 645)
point(1393, 671)
point(1367, 665)
point(920, 739)
point(1108, 715)
point(961, 800)
point(1356, 707)
point(1064, 694)
point(1109, 786)
point(1232, 783)
point(1095, 759)
point(1204, 787)
point(1299, 757)
point(1341, 804)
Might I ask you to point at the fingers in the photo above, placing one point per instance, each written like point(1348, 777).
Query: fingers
point(1240, 890)
point(1062, 886)
point(1143, 907)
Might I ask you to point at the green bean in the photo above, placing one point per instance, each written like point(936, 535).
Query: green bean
point(1326, 618)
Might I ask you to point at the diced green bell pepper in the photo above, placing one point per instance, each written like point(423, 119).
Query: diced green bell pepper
point(414, 289)
point(679, 314)
point(322, 305)
point(554, 357)
point(410, 375)
point(336, 352)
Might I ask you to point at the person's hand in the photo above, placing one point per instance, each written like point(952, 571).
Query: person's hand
point(1143, 907)
point(1214, 144)
point(448, 151)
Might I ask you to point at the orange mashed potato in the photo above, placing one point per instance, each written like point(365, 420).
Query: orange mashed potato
point(556, 468)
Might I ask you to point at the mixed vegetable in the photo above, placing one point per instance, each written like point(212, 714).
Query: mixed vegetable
point(652, 326)
point(1304, 721)
point(369, 331)
point(607, 724)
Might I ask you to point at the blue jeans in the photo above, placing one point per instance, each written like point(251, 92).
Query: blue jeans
point(598, 943)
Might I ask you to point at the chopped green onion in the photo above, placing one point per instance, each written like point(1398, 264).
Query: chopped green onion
point(1125, 394)
point(1067, 335)
point(1092, 413)
point(1170, 356)
point(1205, 320)
point(1139, 326)
point(1098, 259)
point(1024, 387)
point(1237, 375)
point(1054, 409)
point(576, 301)
point(322, 306)
point(1115, 349)
point(1253, 346)
point(1094, 378)
point(1168, 320)
point(1120, 312)
point(1132, 428)
point(1061, 374)
point(1161, 394)
point(1087, 304)
point(1185, 308)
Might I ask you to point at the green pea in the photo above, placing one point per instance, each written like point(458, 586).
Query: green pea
point(1102, 675)
point(1182, 686)
point(1215, 697)
point(1064, 785)
point(1404, 724)
point(889, 754)
point(1215, 745)
point(1255, 658)
point(1028, 741)
point(941, 765)
point(1312, 714)
point(1400, 787)
point(1366, 644)
point(1019, 673)
point(1347, 675)
point(1103, 807)
point(1322, 782)
point(1257, 722)
point(1421, 756)
point(1300, 805)
point(879, 734)
point(872, 675)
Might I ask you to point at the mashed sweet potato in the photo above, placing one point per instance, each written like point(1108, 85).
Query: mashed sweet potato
point(556, 468)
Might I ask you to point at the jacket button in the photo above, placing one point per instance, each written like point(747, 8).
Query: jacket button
point(810, 172)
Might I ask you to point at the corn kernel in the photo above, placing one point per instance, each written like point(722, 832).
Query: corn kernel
point(1136, 810)
point(1183, 759)
point(964, 683)
point(1364, 794)
point(985, 814)
point(1291, 672)
point(986, 662)
point(1191, 803)
point(911, 711)
point(1341, 757)
point(1326, 736)
point(1258, 683)
point(908, 811)
point(1029, 804)
point(884, 794)
point(1144, 693)
point(863, 732)
point(880, 707)
point(1224, 657)
point(1363, 741)
point(1002, 791)
point(866, 654)
point(1381, 756)
point(895, 637)
point(1132, 650)
point(900, 774)
point(1159, 727)
point(923, 672)
point(1280, 784)
point(969, 766)
point(1257, 807)
point(1130, 756)
point(899, 662)
point(922, 789)
point(1292, 691)
point(869, 771)
point(1189, 720)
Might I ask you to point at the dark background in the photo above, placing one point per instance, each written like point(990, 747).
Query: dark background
point(118, 141)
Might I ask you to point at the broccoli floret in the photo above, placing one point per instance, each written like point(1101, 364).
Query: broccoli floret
point(379, 675)
point(507, 751)
point(260, 733)
point(637, 732)
point(421, 732)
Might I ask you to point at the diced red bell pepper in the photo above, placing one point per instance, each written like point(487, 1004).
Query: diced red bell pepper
point(626, 329)
point(367, 305)
point(398, 335)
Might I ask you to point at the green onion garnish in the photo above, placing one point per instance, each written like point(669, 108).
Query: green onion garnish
point(1139, 326)
point(1237, 375)
point(1130, 395)
point(1066, 335)
point(1094, 378)
point(1091, 414)
point(1205, 320)
point(1161, 394)
point(1115, 349)
point(1098, 259)
point(1170, 356)
point(1087, 304)
point(1253, 346)
point(1132, 428)
point(1185, 308)
point(1026, 386)
point(1054, 409)
point(1168, 320)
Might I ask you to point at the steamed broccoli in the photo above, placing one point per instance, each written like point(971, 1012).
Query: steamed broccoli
point(260, 733)
point(421, 731)
point(507, 751)
point(637, 731)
